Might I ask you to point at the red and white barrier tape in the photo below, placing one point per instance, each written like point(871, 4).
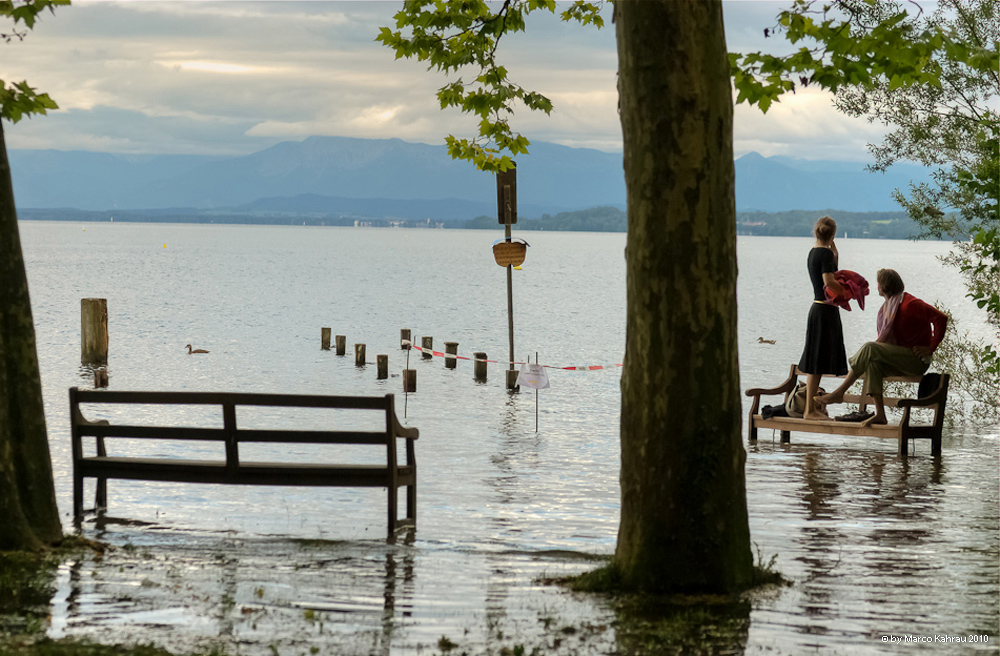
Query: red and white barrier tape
point(439, 354)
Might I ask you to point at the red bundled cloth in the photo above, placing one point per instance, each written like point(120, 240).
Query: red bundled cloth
point(855, 287)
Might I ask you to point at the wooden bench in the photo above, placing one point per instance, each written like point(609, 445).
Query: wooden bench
point(904, 431)
point(232, 470)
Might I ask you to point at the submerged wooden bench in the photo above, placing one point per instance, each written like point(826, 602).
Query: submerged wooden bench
point(233, 470)
point(904, 431)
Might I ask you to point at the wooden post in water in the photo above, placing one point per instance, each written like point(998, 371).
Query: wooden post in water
point(507, 215)
point(479, 368)
point(341, 344)
point(94, 331)
point(359, 355)
point(325, 339)
point(409, 380)
point(100, 377)
point(404, 338)
point(382, 361)
point(451, 349)
point(428, 345)
point(512, 380)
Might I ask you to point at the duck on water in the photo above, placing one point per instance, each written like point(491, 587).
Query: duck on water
point(191, 351)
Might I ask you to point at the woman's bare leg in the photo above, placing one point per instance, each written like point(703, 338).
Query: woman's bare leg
point(813, 410)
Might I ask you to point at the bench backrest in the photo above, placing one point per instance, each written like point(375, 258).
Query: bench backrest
point(889, 401)
point(231, 433)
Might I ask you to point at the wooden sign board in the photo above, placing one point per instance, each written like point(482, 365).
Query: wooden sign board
point(507, 196)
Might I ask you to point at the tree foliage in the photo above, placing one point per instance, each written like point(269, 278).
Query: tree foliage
point(933, 80)
point(462, 36)
point(18, 99)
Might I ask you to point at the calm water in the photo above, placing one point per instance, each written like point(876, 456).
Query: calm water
point(875, 545)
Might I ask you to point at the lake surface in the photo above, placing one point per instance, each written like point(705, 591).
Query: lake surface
point(875, 545)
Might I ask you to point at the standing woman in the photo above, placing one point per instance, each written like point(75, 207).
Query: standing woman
point(824, 350)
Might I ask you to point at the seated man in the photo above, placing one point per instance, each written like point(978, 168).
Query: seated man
point(908, 332)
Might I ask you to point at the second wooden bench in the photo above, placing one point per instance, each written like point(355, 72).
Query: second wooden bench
point(932, 393)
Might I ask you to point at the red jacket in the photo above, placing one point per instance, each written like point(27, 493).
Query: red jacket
point(854, 286)
point(918, 324)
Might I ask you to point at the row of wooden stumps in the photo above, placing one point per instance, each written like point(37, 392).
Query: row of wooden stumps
point(405, 340)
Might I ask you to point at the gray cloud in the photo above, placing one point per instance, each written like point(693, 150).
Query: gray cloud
point(236, 77)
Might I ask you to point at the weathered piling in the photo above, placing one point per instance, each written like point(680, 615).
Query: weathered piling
point(382, 360)
point(341, 344)
point(325, 339)
point(94, 331)
point(512, 380)
point(100, 378)
point(451, 350)
point(404, 338)
point(479, 367)
point(409, 380)
point(428, 345)
point(359, 355)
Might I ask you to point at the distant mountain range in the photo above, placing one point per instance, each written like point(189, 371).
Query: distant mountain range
point(390, 178)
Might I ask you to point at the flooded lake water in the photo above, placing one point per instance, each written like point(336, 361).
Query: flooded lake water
point(886, 555)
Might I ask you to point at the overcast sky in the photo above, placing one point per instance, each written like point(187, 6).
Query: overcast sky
point(199, 77)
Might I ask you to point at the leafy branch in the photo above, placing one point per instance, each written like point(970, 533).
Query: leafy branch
point(18, 99)
point(455, 35)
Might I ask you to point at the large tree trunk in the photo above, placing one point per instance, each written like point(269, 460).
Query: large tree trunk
point(29, 517)
point(684, 517)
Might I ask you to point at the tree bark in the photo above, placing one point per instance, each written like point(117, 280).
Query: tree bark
point(29, 517)
point(684, 517)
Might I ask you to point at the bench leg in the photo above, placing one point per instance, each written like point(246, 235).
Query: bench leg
point(411, 503)
point(903, 446)
point(77, 497)
point(786, 437)
point(752, 431)
point(101, 497)
point(936, 444)
point(393, 502)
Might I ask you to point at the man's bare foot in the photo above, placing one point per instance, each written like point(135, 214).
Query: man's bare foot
point(877, 419)
point(829, 399)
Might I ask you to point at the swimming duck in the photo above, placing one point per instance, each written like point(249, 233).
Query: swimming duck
point(761, 340)
point(190, 350)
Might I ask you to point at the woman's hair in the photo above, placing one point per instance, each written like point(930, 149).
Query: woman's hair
point(826, 229)
point(889, 282)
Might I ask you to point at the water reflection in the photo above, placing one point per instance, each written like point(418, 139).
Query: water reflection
point(648, 626)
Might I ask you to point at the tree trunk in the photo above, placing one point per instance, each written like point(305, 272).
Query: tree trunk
point(684, 517)
point(29, 516)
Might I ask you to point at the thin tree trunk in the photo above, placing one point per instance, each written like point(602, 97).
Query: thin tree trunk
point(684, 517)
point(29, 516)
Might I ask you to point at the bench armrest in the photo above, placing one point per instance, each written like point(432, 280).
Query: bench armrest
point(400, 430)
point(938, 396)
point(784, 388)
point(80, 420)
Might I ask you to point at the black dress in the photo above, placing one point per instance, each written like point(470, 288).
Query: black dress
point(824, 350)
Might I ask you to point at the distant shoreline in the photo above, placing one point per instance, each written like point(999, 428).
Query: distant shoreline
point(797, 223)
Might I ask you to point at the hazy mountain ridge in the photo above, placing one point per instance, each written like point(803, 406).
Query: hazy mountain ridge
point(346, 171)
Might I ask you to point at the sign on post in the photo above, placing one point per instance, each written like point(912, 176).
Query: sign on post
point(533, 376)
point(507, 196)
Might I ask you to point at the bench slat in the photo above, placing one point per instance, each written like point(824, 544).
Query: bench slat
point(154, 432)
point(245, 436)
point(251, 473)
point(235, 398)
point(827, 427)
